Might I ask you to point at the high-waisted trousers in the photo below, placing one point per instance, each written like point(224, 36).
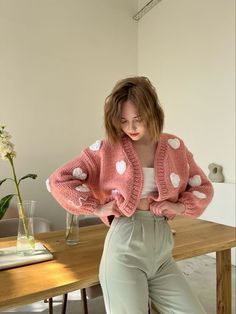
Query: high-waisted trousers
point(137, 265)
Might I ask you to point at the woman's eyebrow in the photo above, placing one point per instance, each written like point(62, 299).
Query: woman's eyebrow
point(132, 118)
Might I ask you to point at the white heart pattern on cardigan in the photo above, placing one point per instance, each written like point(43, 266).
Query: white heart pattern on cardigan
point(199, 194)
point(195, 180)
point(96, 146)
point(174, 143)
point(48, 185)
point(115, 192)
point(175, 179)
point(79, 174)
point(82, 188)
point(121, 167)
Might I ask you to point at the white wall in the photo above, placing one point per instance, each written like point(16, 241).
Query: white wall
point(187, 49)
point(58, 62)
point(222, 209)
point(60, 59)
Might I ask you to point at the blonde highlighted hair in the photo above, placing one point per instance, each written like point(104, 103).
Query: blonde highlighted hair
point(142, 93)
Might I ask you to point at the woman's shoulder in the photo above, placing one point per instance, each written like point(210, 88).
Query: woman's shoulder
point(169, 136)
point(173, 141)
point(102, 146)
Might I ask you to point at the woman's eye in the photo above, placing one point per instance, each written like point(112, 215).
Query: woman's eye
point(123, 122)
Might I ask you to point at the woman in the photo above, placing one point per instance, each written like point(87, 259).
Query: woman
point(135, 180)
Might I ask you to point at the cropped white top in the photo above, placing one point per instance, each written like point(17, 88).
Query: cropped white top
point(149, 184)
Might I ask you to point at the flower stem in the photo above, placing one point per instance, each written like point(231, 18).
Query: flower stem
point(71, 226)
point(22, 210)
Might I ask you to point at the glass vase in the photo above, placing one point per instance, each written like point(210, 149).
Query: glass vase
point(25, 244)
point(72, 229)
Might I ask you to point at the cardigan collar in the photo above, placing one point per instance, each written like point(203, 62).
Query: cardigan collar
point(159, 159)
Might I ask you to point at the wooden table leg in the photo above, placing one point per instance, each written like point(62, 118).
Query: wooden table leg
point(64, 303)
point(84, 301)
point(223, 277)
point(50, 308)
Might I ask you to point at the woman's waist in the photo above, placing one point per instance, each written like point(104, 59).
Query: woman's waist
point(142, 214)
point(143, 204)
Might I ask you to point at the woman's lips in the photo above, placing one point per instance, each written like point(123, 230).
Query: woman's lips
point(134, 134)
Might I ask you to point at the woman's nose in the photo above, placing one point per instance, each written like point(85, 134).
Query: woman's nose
point(133, 126)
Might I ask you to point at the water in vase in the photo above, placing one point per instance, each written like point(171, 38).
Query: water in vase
point(25, 245)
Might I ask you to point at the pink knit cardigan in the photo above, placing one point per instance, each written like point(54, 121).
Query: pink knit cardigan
point(105, 172)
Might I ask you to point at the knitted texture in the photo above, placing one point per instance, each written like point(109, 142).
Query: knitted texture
point(105, 172)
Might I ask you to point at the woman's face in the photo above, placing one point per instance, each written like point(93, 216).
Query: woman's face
point(131, 122)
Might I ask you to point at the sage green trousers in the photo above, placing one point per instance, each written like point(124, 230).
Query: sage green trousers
point(137, 265)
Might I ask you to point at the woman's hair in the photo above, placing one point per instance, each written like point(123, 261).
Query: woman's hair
point(142, 93)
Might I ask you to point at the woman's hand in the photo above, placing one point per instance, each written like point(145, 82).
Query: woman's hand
point(167, 209)
point(107, 209)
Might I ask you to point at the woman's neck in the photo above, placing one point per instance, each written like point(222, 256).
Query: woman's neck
point(145, 151)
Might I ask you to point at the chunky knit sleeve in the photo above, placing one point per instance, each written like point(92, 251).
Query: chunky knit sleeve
point(199, 191)
point(74, 184)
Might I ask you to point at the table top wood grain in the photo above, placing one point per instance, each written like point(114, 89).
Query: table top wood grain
point(76, 267)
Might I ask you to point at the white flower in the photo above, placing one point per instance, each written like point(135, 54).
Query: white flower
point(7, 152)
point(6, 147)
point(4, 134)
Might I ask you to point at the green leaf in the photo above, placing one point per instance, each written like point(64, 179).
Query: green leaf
point(4, 204)
point(5, 180)
point(30, 175)
point(1, 182)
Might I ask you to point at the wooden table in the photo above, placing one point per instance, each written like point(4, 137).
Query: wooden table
point(76, 267)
